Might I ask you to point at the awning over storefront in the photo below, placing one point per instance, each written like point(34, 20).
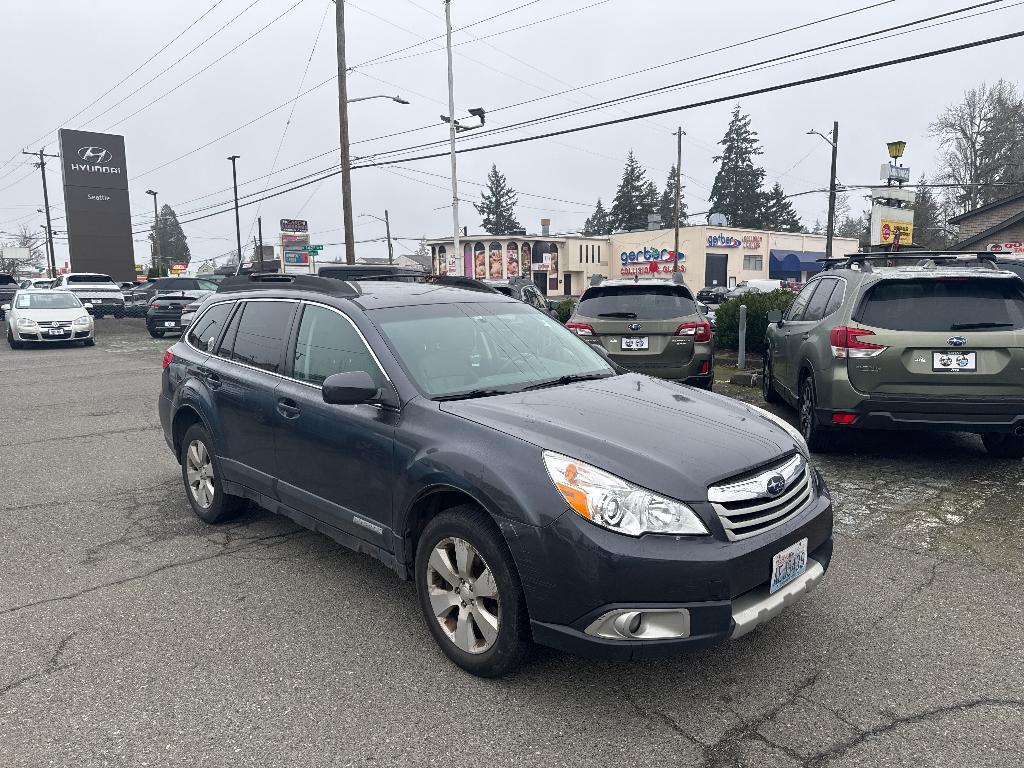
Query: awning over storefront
point(790, 264)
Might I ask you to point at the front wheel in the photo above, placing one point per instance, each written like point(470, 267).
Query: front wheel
point(767, 382)
point(470, 594)
point(1004, 446)
point(14, 343)
point(817, 437)
point(90, 342)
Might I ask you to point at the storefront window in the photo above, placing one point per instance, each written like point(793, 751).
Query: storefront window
point(442, 260)
point(494, 260)
point(479, 261)
point(553, 270)
point(512, 260)
point(525, 259)
point(753, 261)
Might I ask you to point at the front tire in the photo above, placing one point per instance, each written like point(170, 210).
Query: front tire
point(818, 438)
point(1003, 446)
point(90, 342)
point(470, 594)
point(201, 473)
point(767, 381)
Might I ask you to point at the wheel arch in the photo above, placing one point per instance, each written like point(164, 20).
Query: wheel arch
point(186, 416)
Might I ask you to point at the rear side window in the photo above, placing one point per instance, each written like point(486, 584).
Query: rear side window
point(653, 302)
point(796, 309)
point(88, 279)
point(262, 330)
point(816, 306)
point(204, 332)
point(945, 304)
point(328, 344)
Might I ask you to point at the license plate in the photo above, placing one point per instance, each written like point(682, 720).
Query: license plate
point(169, 323)
point(788, 565)
point(954, 361)
point(56, 332)
point(635, 342)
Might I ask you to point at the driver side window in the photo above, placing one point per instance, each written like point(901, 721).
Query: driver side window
point(327, 344)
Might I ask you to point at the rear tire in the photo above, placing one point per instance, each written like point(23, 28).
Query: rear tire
point(1004, 446)
point(819, 439)
point(156, 334)
point(201, 473)
point(473, 604)
point(767, 381)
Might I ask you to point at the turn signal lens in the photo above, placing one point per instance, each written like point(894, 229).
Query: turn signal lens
point(168, 358)
point(700, 330)
point(580, 329)
point(846, 342)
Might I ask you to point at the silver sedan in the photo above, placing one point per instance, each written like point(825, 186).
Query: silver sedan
point(45, 316)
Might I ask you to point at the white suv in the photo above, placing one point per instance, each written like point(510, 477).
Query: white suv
point(93, 288)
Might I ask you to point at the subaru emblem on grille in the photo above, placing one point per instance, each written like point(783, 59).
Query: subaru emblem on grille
point(957, 341)
point(635, 326)
point(776, 485)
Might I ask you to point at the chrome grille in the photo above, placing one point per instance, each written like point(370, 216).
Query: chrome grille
point(55, 324)
point(746, 507)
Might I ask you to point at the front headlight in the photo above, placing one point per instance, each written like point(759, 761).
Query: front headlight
point(83, 320)
point(793, 432)
point(617, 504)
point(26, 322)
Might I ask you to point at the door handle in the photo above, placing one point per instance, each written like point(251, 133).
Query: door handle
point(211, 378)
point(287, 407)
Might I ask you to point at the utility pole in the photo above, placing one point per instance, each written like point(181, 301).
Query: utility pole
point(346, 161)
point(46, 245)
point(41, 165)
point(387, 230)
point(679, 184)
point(238, 226)
point(259, 229)
point(830, 231)
point(451, 134)
point(157, 262)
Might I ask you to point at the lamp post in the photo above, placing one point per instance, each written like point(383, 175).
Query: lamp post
point(396, 99)
point(895, 152)
point(156, 233)
point(831, 226)
point(387, 231)
point(238, 226)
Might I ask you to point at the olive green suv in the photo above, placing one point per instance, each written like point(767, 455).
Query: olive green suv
point(648, 326)
point(937, 344)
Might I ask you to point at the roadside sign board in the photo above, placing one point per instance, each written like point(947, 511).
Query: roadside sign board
point(296, 258)
point(294, 225)
point(312, 248)
point(178, 268)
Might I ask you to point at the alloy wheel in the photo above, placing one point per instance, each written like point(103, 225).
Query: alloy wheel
point(463, 595)
point(766, 377)
point(807, 409)
point(199, 470)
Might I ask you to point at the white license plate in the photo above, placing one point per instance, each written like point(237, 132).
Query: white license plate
point(635, 342)
point(169, 323)
point(788, 565)
point(954, 361)
point(56, 332)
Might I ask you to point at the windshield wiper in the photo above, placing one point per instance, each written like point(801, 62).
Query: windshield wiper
point(968, 326)
point(569, 379)
point(471, 394)
point(626, 315)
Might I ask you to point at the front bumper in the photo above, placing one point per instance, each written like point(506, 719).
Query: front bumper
point(574, 573)
point(43, 336)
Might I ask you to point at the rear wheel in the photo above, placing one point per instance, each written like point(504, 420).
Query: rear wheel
point(470, 594)
point(817, 437)
point(1004, 446)
point(767, 382)
point(200, 469)
point(156, 334)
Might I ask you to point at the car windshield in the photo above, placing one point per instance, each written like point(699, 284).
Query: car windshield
point(945, 304)
point(90, 279)
point(469, 349)
point(55, 300)
point(644, 302)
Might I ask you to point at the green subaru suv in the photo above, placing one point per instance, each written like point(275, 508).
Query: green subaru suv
point(937, 344)
point(648, 326)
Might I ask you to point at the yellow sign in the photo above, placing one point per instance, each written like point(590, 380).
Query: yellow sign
point(890, 228)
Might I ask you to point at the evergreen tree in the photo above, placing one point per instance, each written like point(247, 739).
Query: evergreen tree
point(736, 191)
point(173, 243)
point(929, 222)
point(652, 201)
point(818, 229)
point(498, 205)
point(632, 199)
point(778, 214)
point(668, 203)
point(599, 223)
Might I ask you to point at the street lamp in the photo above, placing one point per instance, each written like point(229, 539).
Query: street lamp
point(896, 149)
point(831, 226)
point(396, 99)
point(156, 233)
point(387, 230)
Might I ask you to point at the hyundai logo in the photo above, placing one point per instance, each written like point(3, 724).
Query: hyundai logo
point(957, 341)
point(776, 485)
point(635, 326)
point(97, 155)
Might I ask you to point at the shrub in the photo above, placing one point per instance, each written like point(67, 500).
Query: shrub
point(565, 309)
point(727, 318)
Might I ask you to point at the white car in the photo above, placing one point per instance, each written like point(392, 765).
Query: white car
point(96, 289)
point(43, 315)
point(37, 282)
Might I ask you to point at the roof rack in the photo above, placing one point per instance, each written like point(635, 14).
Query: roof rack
point(457, 281)
point(278, 281)
point(925, 259)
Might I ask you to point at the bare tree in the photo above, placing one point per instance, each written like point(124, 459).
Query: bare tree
point(36, 259)
point(980, 142)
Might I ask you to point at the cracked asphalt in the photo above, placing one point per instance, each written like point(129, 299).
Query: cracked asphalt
point(131, 634)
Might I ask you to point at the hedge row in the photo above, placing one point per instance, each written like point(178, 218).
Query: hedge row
point(727, 318)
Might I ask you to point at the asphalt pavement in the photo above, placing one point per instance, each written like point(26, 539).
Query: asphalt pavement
point(132, 634)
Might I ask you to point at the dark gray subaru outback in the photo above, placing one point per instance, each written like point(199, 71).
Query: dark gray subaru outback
point(531, 489)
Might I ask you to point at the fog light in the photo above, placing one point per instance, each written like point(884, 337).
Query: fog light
point(844, 418)
point(642, 624)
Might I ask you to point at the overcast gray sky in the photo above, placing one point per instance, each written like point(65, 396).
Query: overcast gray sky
point(58, 56)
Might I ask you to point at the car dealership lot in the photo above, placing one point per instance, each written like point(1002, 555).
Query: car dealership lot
point(132, 633)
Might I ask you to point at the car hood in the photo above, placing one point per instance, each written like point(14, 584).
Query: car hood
point(49, 315)
point(669, 438)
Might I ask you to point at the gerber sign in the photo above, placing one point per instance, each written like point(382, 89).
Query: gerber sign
point(649, 261)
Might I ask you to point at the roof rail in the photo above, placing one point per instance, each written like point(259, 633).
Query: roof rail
point(278, 281)
point(458, 281)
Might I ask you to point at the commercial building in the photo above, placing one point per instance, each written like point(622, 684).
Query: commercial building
point(561, 265)
point(996, 227)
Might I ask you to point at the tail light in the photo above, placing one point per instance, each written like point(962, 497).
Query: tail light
point(844, 418)
point(580, 329)
point(700, 330)
point(168, 359)
point(154, 305)
point(846, 342)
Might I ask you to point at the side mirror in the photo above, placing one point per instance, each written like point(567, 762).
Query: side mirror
point(774, 316)
point(350, 388)
point(5, 308)
point(87, 306)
